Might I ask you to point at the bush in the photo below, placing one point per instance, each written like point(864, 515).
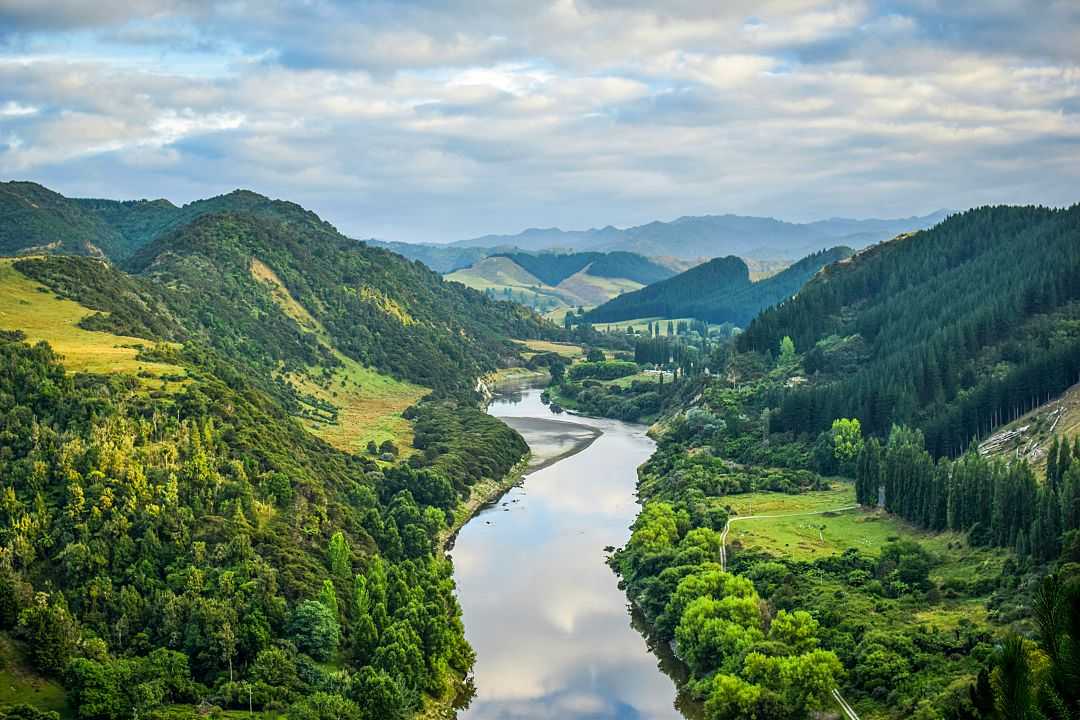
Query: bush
point(604, 370)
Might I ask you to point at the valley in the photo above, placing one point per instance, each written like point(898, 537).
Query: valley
point(555, 360)
point(296, 423)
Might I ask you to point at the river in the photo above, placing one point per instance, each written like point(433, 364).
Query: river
point(553, 633)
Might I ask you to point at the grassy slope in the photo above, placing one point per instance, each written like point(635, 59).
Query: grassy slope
point(20, 684)
point(28, 306)
point(567, 350)
point(580, 289)
point(812, 537)
point(369, 403)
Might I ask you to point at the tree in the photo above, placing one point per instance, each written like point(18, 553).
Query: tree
point(595, 355)
point(324, 706)
point(50, 632)
point(337, 554)
point(847, 442)
point(314, 627)
point(731, 697)
point(328, 597)
point(379, 695)
point(787, 351)
point(797, 630)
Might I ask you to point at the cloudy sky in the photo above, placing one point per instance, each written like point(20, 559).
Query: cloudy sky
point(439, 120)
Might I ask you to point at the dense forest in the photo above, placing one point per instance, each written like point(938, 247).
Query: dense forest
point(719, 291)
point(203, 547)
point(373, 306)
point(953, 330)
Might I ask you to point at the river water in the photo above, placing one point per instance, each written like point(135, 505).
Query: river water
point(553, 634)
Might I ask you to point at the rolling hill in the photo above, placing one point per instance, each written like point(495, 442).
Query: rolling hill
point(719, 291)
point(714, 236)
point(550, 282)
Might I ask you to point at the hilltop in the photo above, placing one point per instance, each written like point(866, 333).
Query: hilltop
point(719, 291)
point(552, 282)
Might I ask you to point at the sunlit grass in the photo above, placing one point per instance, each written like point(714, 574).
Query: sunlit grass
point(28, 306)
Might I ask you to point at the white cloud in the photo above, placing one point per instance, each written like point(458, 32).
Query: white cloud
point(427, 122)
point(14, 109)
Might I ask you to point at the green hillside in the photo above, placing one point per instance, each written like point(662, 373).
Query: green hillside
point(955, 330)
point(553, 268)
point(193, 506)
point(819, 522)
point(719, 291)
point(34, 219)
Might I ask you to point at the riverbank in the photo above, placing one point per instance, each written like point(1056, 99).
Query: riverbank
point(483, 494)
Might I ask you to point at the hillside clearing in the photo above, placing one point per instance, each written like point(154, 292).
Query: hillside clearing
point(33, 309)
point(1029, 437)
point(567, 350)
point(20, 684)
point(810, 537)
point(368, 403)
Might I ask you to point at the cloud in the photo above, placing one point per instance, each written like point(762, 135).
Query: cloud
point(422, 121)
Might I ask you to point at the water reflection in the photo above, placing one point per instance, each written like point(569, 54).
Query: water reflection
point(550, 626)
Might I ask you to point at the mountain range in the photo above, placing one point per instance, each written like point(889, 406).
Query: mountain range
point(710, 236)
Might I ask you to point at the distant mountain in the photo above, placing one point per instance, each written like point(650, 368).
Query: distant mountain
point(716, 235)
point(718, 291)
point(554, 281)
point(440, 258)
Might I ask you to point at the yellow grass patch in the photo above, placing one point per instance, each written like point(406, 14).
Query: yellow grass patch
point(368, 403)
point(28, 306)
point(567, 350)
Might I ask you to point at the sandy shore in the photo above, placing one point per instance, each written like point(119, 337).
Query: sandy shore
point(552, 440)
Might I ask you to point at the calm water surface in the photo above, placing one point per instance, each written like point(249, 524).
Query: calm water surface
point(551, 629)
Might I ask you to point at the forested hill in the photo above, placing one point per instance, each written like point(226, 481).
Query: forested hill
point(208, 272)
point(553, 268)
point(955, 330)
point(230, 461)
point(35, 219)
point(376, 307)
point(718, 291)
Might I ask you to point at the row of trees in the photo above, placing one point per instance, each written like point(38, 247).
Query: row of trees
point(996, 503)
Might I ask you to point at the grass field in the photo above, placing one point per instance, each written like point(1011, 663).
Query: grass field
point(638, 377)
point(369, 404)
point(30, 307)
point(567, 350)
point(809, 537)
point(20, 684)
